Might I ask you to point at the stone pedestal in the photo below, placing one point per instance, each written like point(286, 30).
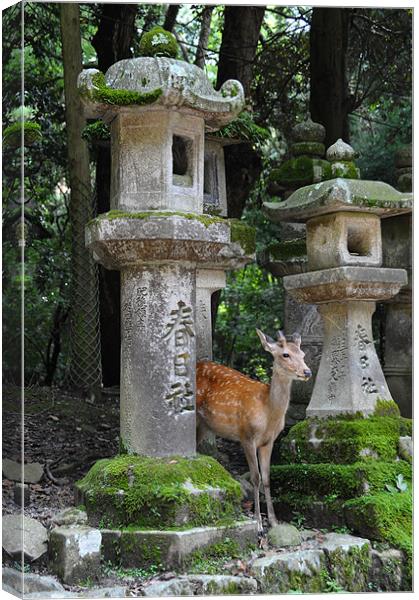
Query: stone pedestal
point(157, 367)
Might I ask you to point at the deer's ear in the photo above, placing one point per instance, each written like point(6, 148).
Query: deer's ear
point(281, 338)
point(267, 342)
point(296, 338)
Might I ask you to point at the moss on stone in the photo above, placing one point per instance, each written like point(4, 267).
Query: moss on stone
point(158, 42)
point(329, 482)
point(287, 249)
point(95, 132)
point(151, 492)
point(211, 558)
point(308, 149)
point(386, 408)
point(243, 234)
point(384, 516)
point(206, 220)
point(299, 171)
point(343, 440)
point(345, 169)
point(102, 93)
point(350, 569)
point(12, 135)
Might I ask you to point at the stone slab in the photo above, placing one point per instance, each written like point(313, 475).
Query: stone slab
point(296, 571)
point(23, 534)
point(69, 517)
point(173, 547)
point(340, 195)
point(208, 585)
point(32, 472)
point(105, 592)
point(345, 283)
point(30, 582)
point(75, 553)
point(349, 560)
point(386, 571)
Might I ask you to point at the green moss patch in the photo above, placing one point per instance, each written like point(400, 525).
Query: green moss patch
point(102, 93)
point(158, 42)
point(12, 135)
point(308, 149)
point(244, 235)
point(288, 249)
point(332, 482)
point(384, 516)
point(159, 492)
point(299, 171)
point(344, 440)
point(345, 169)
point(206, 220)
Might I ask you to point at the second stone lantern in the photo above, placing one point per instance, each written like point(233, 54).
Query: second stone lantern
point(156, 234)
point(345, 278)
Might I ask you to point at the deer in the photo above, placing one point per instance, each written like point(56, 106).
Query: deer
point(238, 408)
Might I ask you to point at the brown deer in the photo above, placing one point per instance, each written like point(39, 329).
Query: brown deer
point(238, 408)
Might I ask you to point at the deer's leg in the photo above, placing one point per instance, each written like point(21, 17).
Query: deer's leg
point(201, 430)
point(252, 460)
point(265, 466)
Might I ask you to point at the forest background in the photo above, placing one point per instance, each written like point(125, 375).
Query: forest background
point(351, 68)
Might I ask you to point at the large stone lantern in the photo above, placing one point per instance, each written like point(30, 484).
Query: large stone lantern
point(157, 235)
point(345, 279)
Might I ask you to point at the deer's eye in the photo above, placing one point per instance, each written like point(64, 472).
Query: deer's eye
point(285, 355)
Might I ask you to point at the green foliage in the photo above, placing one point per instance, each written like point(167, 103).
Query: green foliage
point(252, 299)
point(97, 131)
point(110, 570)
point(158, 42)
point(245, 129)
point(399, 487)
point(377, 132)
point(148, 492)
point(244, 235)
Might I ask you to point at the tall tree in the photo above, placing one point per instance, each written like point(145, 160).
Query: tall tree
point(204, 36)
point(241, 32)
point(112, 42)
point(329, 93)
point(85, 368)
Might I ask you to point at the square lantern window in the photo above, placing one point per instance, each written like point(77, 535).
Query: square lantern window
point(182, 160)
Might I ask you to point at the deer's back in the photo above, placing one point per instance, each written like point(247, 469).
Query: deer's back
point(231, 404)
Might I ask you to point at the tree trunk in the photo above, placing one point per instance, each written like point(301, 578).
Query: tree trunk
point(170, 18)
point(237, 56)
point(204, 36)
point(329, 95)
point(112, 42)
point(85, 367)
point(238, 46)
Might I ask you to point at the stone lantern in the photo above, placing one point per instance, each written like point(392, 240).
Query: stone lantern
point(345, 279)
point(309, 163)
point(158, 237)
